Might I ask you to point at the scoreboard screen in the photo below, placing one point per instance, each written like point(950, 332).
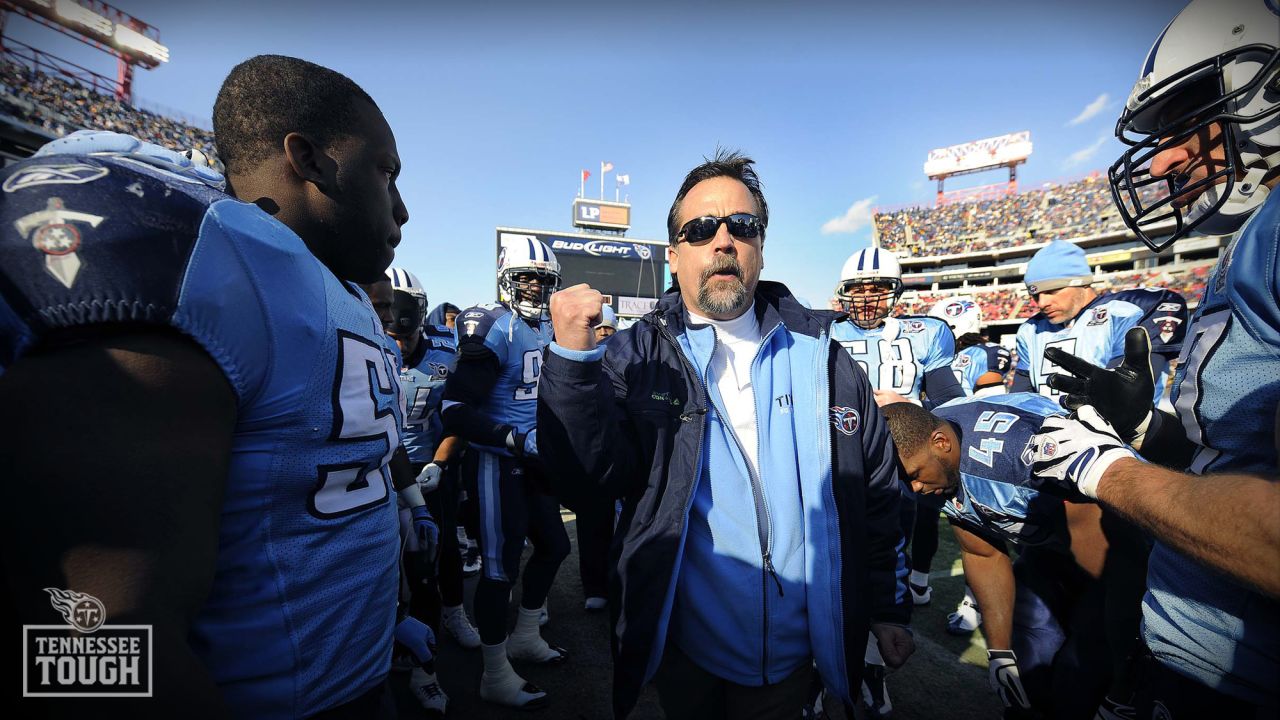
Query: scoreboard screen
point(633, 272)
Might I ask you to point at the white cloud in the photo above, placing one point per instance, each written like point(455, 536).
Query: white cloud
point(1092, 109)
point(854, 219)
point(1084, 154)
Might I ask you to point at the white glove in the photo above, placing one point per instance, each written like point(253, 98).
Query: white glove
point(1073, 455)
point(1002, 673)
point(429, 478)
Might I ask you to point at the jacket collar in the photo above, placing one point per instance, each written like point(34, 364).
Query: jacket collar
point(774, 304)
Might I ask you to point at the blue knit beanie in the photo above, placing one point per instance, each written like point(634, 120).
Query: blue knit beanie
point(1057, 265)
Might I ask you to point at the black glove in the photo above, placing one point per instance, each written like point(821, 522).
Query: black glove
point(1122, 396)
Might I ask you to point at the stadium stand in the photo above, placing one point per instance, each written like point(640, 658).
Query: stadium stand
point(60, 106)
point(1074, 209)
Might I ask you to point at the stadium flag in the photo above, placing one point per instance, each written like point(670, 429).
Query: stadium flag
point(605, 167)
point(582, 189)
point(622, 180)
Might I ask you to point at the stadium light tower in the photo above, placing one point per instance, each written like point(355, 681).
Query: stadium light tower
point(1006, 151)
point(132, 42)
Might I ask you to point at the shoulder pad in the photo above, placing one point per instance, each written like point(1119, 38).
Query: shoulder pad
point(96, 239)
point(439, 337)
point(477, 321)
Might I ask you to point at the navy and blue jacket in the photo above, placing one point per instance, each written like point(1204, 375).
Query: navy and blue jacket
point(631, 420)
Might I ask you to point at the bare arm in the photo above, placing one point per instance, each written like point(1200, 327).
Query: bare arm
point(450, 449)
point(1227, 522)
point(989, 572)
point(117, 451)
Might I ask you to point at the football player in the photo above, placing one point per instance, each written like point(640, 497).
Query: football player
point(227, 409)
point(1060, 620)
point(905, 356)
point(491, 401)
point(980, 365)
point(1078, 320)
point(1203, 125)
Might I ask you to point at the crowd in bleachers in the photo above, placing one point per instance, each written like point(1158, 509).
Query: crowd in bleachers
point(1011, 303)
point(62, 106)
point(1075, 209)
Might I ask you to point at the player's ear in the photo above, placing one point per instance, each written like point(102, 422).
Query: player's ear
point(940, 441)
point(309, 162)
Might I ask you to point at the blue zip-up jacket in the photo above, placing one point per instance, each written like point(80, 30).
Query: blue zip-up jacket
point(630, 421)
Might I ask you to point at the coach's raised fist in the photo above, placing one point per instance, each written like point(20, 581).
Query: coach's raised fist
point(575, 311)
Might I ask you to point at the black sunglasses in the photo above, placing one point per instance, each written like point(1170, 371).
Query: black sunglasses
point(744, 226)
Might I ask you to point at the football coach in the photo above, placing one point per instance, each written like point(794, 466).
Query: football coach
point(760, 531)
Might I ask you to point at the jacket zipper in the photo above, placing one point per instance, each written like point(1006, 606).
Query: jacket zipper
point(764, 522)
point(825, 434)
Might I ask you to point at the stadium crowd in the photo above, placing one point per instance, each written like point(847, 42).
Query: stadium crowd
point(1013, 302)
point(61, 105)
point(1073, 209)
point(762, 480)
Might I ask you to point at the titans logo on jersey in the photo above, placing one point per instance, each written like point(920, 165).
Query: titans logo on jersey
point(518, 347)
point(975, 361)
point(900, 353)
point(300, 614)
point(995, 467)
point(1096, 335)
point(422, 386)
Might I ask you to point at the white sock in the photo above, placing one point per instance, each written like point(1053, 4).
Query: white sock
point(527, 622)
point(919, 578)
point(495, 659)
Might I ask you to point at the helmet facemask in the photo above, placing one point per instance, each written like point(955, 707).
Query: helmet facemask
point(1165, 115)
point(529, 291)
point(868, 309)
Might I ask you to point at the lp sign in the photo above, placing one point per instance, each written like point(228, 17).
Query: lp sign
point(601, 214)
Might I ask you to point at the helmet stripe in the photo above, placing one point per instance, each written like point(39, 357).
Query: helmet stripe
point(875, 259)
point(1150, 63)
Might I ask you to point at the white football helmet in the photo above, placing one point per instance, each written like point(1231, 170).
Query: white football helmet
point(528, 274)
point(409, 302)
point(1217, 62)
point(870, 285)
point(960, 312)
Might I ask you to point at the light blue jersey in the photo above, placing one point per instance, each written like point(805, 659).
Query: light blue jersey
point(1226, 390)
point(300, 613)
point(975, 361)
point(518, 348)
point(1095, 335)
point(423, 388)
point(900, 354)
point(995, 469)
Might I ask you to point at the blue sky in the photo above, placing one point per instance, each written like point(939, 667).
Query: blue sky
point(497, 106)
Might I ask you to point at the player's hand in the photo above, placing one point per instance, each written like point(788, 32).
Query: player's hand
point(429, 478)
point(575, 312)
point(1122, 395)
point(523, 445)
point(1071, 455)
point(1002, 673)
point(426, 531)
point(888, 397)
point(895, 641)
point(417, 638)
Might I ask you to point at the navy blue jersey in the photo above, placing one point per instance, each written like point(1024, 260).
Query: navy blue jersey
point(422, 387)
point(300, 614)
point(517, 345)
point(900, 353)
point(1226, 390)
point(995, 494)
point(975, 361)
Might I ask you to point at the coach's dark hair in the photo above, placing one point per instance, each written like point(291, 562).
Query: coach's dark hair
point(726, 163)
point(910, 425)
point(267, 97)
